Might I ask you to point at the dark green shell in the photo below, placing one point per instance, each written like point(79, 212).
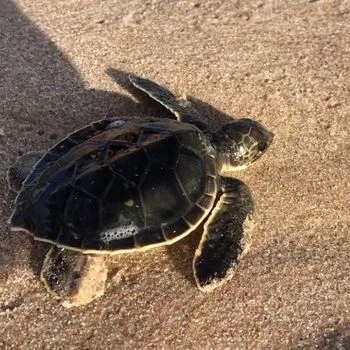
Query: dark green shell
point(118, 185)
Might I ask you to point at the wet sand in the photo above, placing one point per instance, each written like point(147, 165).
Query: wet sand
point(285, 63)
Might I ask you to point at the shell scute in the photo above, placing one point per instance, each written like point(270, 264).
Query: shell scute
point(119, 185)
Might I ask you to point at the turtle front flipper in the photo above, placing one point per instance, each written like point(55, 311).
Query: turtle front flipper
point(226, 236)
point(73, 277)
point(18, 172)
point(182, 109)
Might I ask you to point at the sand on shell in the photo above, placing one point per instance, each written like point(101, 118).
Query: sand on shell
point(285, 63)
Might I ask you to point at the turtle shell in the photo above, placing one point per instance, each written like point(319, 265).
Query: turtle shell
point(119, 185)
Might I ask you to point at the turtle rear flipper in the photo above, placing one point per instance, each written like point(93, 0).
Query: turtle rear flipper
point(74, 277)
point(182, 109)
point(226, 236)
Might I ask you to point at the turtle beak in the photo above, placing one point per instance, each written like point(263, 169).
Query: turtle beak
point(266, 142)
point(270, 137)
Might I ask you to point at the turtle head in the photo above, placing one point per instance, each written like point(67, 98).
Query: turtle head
point(239, 143)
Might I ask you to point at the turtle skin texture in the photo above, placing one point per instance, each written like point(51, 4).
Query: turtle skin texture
point(119, 185)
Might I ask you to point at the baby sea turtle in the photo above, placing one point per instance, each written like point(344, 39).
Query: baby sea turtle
point(135, 183)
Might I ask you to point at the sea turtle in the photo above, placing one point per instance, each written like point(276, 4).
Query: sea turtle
point(134, 183)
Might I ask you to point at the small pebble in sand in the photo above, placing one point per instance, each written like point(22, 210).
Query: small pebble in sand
point(332, 103)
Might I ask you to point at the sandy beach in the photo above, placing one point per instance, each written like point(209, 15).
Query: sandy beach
point(286, 64)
